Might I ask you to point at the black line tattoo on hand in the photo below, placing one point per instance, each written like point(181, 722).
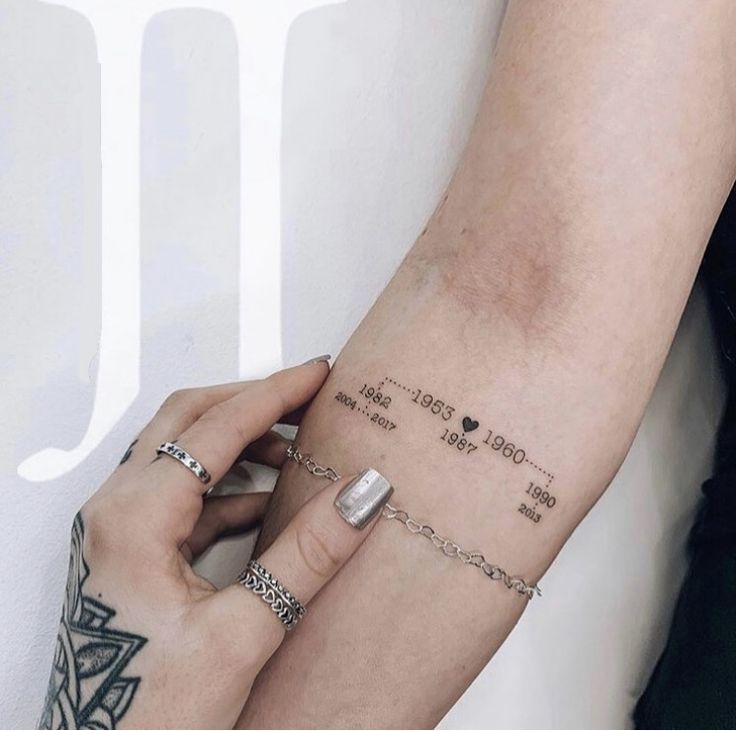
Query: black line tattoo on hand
point(128, 452)
point(87, 688)
point(378, 402)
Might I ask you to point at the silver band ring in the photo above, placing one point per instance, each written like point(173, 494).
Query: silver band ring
point(174, 450)
point(283, 603)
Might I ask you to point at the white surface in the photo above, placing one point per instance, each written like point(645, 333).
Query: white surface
point(378, 97)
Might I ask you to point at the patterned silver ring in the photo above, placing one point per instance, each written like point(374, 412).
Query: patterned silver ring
point(265, 585)
point(170, 449)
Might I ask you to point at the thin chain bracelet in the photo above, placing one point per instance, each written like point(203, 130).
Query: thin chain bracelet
point(448, 547)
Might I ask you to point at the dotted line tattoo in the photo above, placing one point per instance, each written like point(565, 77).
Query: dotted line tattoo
point(548, 475)
point(412, 391)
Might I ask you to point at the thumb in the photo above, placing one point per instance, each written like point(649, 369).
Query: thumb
point(320, 538)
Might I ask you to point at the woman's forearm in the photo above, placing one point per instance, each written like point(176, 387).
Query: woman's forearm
point(515, 349)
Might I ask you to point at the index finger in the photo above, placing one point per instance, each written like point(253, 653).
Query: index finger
point(219, 436)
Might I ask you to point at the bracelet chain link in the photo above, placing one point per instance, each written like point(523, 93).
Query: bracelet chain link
point(448, 547)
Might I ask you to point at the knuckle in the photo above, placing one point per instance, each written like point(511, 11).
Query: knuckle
point(318, 550)
point(180, 402)
point(225, 417)
point(103, 528)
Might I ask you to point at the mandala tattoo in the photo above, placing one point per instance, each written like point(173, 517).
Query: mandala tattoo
point(87, 688)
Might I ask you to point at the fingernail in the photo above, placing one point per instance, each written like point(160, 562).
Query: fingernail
point(363, 497)
point(319, 359)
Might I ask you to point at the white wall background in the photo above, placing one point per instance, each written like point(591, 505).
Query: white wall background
point(378, 97)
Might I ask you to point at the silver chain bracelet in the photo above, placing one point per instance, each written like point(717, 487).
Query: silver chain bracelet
point(448, 547)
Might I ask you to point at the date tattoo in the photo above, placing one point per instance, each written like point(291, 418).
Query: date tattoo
point(375, 417)
point(376, 401)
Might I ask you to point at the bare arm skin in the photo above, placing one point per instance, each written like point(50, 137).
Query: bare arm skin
point(540, 302)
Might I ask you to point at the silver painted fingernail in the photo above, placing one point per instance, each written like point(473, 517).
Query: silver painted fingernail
point(318, 359)
point(363, 497)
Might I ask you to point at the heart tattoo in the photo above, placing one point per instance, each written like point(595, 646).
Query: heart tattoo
point(469, 424)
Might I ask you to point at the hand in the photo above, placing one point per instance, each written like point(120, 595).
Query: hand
point(146, 642)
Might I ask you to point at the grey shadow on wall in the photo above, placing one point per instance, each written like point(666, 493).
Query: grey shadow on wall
point(373, 126)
